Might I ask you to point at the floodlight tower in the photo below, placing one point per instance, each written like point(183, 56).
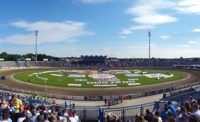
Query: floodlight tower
point(36, 35)
point(149, 35)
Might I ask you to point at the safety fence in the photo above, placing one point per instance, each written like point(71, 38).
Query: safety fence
point(100, 113)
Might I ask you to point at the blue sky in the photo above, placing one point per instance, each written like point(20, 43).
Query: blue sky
point(116, 28)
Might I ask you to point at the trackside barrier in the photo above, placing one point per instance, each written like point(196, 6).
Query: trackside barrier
point(84, 112)
point(128, 96)
point(181, 98)
point(128, 113)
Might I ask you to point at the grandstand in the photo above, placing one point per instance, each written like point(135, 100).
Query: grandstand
point(102, 61)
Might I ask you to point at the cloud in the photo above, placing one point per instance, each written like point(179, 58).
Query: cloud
point(106, 49)
point(189, 44)
point(185, 45)
point(196, 30)
point(192, 42)
point(94, 1)
point(123, 37)
point(130, 30)
point(149, 13)
point(165, 37)
point(49, 32)
point(126, 32)
point(155, 19)
point(188, 6)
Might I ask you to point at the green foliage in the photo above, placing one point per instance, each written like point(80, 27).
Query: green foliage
point(14, 57)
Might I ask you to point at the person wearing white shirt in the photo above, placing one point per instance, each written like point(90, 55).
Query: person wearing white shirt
point(196, 110)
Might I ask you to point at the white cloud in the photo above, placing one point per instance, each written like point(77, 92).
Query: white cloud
point(126, 32)
point(192, 42)
point(185, 45)
point(94, 1)
point(148, 13)
point(155, 19)
point(130, 30)
point(165, 37)
point(48, 32)
point(189, 44)
point(196, 30)
point(123, 37)
point(106, 49)
point(189, 6)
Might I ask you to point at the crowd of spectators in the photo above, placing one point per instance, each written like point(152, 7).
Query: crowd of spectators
point(116, 63)
point(15, 108)
point(189, 112)
point(105, 63)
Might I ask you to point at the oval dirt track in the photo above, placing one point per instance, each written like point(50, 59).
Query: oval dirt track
point(193, 76)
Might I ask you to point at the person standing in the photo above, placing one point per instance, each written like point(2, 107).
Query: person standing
point(17, 104)
point(105, 101)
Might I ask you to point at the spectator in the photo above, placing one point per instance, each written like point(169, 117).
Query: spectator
point(193, 118)
point(155, 119)
point(179, 114)
point(65, 114)
point(5, 116)
point(172, 108)
point(33, 117)
point(164, 113)
point(184, 117)
point(40, 118)
point(23, 117)
point(112, 118)
point(170, 117)
point(148, 116)
point(196, 110)
point(46, 117)
point(188, 107)
point(141, 118)
point(17, 104)
point(157, 116)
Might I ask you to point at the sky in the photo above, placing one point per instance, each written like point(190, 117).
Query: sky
point(115, 28)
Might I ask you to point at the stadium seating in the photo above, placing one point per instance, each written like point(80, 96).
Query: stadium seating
point(38, 108)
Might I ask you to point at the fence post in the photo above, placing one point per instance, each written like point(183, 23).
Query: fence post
point(182, 100)
point(65, 104)
point(84, 113)
point(141, 109)
point(101, 115)
point(156, 105)
point(123, 115)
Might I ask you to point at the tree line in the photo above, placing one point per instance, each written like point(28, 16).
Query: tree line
point(17, 57)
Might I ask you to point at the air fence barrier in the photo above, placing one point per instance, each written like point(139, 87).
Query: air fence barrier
point(95, 98)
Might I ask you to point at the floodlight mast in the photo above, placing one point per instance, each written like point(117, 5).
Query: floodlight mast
point(36, 37)
point(149, 35)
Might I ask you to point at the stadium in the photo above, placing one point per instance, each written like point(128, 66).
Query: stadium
point(185, 76)
point(99, 61)
point(174, 79)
